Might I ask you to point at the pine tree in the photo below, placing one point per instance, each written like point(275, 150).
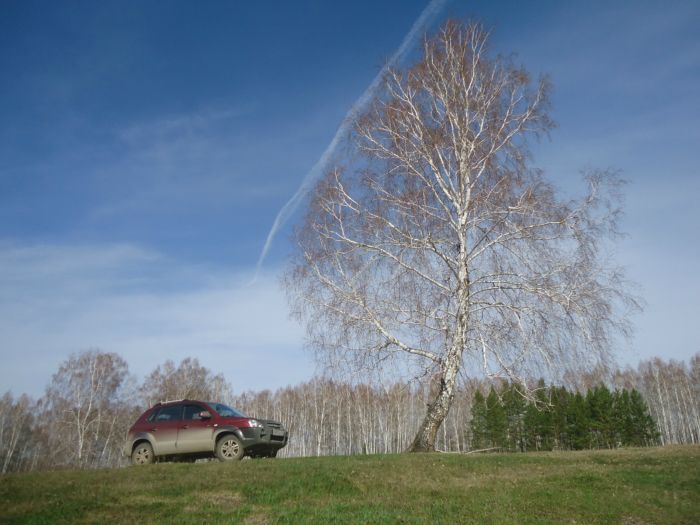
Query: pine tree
point(560, 399)
point(478, 424)
point(538, 420)
point(514, 405)
point(496, 420)
point(578, 423)
point(600, 409)
point(641, 430)
point(557, 418)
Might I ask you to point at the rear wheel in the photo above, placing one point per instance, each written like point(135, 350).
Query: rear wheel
point(229, 448)
point(142, 454)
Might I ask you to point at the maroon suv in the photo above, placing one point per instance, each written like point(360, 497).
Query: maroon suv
point(188, 429)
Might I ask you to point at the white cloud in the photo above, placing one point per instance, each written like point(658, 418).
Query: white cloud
point(55, 300)
point(179, 124)
point(200, 160)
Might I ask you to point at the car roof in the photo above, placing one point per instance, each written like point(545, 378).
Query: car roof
point(175, 401)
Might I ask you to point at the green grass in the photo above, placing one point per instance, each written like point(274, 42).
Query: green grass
point(630, 487)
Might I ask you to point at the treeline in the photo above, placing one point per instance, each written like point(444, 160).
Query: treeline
point(92, 399)
point(326, 417)
point(559, 419)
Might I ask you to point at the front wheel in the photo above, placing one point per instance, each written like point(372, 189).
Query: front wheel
point(142, 454)
point(229, 448)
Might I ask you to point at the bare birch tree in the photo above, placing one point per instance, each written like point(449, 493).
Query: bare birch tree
point(189, 380)
point(81, 406)
point(15, 432)
point(443, 249)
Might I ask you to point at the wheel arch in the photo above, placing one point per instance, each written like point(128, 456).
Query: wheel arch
point(140, 440)
point(223, 431)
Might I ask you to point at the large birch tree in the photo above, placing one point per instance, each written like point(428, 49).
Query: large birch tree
point(81, 408)
point(440, 249)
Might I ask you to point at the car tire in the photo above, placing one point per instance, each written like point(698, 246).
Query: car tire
point(142, 454)
point(229, 448)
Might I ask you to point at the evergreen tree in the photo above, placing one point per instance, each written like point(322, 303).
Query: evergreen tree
point(639, 428)
point(561, 419)
point(578, 423)
point(560, 399)
point(478, 424)
point(634, 425)
point(496, 420)
point(621, 417)
point(514, 405)
point(538, 420)
point(602, 421)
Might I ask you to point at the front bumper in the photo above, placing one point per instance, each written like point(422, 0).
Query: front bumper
point(265, 439)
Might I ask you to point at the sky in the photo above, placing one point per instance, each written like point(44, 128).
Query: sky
point(146, 149)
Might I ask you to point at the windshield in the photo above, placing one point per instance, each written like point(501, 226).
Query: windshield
point(225, 411)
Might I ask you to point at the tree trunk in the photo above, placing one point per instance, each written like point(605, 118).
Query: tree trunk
point(438, 409)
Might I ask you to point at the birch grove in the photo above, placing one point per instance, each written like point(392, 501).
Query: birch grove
point(78, 410)
point(440, 250)
point(324, 416)
point(672, 391)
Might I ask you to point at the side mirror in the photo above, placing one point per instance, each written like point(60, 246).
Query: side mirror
point(204, 414)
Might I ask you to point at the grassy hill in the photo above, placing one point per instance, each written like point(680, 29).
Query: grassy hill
point(630, 487)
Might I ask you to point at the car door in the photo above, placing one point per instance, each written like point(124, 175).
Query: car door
point(195, 434)
point(164, 429)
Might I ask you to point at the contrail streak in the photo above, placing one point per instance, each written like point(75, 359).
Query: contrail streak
point(419, 26)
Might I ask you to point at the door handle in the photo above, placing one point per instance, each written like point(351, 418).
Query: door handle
point(186, 426)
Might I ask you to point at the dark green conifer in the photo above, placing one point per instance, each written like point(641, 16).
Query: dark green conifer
point(578, 423)
point(602, 424)
point(514, 405)
point(478, 424)
point(496, 420)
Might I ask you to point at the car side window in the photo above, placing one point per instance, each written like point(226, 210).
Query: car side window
point(192, 412)
point(171, 413)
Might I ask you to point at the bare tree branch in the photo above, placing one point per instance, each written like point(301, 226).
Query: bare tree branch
point(444, 245)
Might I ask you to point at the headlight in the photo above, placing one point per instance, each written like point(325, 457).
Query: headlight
point(254, 423)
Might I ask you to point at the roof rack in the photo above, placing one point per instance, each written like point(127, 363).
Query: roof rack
point(169, 401)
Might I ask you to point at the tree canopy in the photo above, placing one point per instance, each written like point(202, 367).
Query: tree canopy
point(440, 246)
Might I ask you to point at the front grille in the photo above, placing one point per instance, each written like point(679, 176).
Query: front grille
point(277, 432)
point(249, 433)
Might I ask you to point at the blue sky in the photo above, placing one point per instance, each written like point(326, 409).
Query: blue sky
point(146, 148)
